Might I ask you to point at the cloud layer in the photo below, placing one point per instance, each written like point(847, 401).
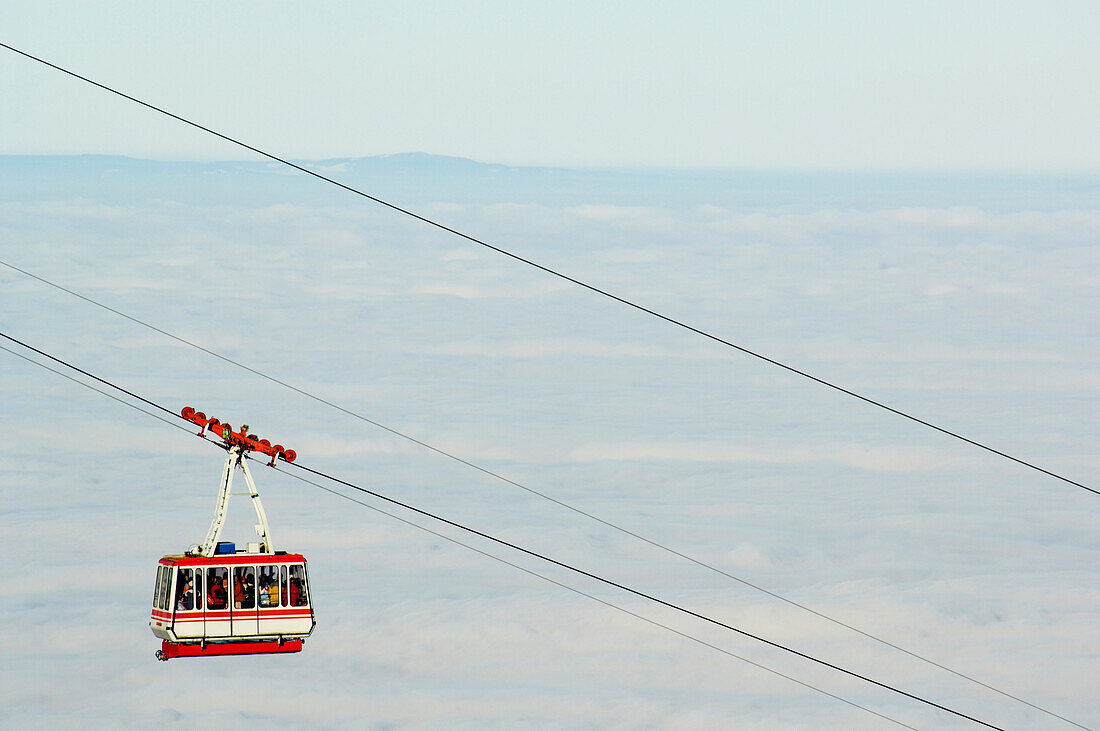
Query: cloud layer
point(975, 315)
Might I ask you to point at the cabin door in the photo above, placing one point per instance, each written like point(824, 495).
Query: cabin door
point(245, 614)
point(217, 614)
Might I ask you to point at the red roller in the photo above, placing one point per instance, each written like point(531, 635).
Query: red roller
point(241, 439)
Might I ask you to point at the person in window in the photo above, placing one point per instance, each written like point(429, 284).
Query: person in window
point(238, 591)
point(265, 593)
point(217, 596)
point(249, 601)
point(187, 596)
point(296, 599)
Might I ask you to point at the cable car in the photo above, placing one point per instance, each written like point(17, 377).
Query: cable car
point(218, 599)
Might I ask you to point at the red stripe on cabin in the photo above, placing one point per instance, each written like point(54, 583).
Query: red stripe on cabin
point(233, 559)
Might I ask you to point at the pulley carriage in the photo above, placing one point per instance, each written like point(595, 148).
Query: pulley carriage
point(217, 599)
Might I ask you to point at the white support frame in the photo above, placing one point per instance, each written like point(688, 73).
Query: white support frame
point(221, 509)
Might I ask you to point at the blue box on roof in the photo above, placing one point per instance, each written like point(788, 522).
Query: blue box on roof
point(225, 547)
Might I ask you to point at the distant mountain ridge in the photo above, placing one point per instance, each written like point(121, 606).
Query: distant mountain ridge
point(391, 160)
point(417, 178)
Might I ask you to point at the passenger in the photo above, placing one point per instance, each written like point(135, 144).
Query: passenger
point(296, 592)
point(249, 601)
point(238, 592)
point(273, 590)
point(265, 593)
point(187, 597)
point(216, 598)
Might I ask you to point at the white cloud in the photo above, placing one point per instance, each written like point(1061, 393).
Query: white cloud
point(747, 556)
point(503, 290)
point(877, 459)
point(452, 290)
point(340, 167)
point(560, 348)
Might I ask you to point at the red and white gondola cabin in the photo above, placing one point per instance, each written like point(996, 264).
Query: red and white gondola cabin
point(216, 599)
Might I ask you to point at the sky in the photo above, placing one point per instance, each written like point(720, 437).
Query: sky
point(794, 85)
point(957, 282)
